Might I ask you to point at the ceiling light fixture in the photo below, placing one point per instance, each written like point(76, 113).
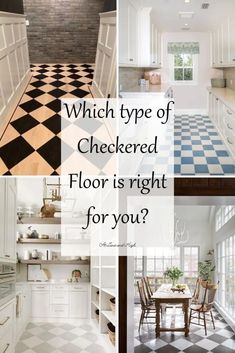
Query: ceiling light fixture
point(187, 1)
point(186, 14)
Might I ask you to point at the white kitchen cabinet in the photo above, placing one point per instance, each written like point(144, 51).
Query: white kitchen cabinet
point(66, 301)
point(154, 45)
point(139, 38)
point(128, 33)
point(23, 308)
point(232, 40)
point(7, 320)
point(103, 85)
point(223, 44)
point(224, 119)
point(8, 219)
point(78, 304)
point(159, 49)
point(41, 302)
point(2, 216)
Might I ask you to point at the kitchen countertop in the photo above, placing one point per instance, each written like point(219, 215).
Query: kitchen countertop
point(163, 88)
point(21, 283)
point(226, 95)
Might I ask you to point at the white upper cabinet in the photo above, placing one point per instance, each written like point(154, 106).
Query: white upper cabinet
point(232, 40)
point(128, 33)
point(139, 38)
point(223, 44)
point(2, 216)
point(8, 220)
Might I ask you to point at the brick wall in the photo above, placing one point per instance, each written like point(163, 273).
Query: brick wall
point(63, 30)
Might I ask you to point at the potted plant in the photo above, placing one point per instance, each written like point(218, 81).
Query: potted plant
point(174, 273)
point(205, 269)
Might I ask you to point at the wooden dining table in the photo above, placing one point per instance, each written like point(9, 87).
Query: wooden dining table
point(164, 295)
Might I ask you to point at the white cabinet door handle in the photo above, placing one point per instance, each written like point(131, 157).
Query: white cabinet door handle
point(229, 112)
point(229, 141)
point(4, 321)
point(6, 348)
point(229, 127)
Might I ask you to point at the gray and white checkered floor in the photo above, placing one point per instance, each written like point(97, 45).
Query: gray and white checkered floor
point(61, 338)
point(220, 340)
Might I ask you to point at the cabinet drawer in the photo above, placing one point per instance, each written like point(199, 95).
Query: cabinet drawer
point(59, 297)
point(230, 122)
point(40, 287)
point(56, 287)
point(6, 343)
point(230, 139)
point(78, 287)
point(6, 319)
point(59, 310)
point(228, 112)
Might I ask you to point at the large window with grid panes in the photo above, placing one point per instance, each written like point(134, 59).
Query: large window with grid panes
point(223, 215)
point(154, 265)
point(225, 257)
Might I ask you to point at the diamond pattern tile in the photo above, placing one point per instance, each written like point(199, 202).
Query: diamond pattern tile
point(31, 144)
point(62, 338)
point(220, 340)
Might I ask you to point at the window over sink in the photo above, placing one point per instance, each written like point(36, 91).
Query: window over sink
point(183, 68)
point(183, 62)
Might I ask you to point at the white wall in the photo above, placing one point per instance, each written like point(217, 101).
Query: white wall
point(191, 97)
point(199, 229)
point(30, 192)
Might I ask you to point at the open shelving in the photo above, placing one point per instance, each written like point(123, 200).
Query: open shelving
point(39, 241)
point(51, 220)
point(104, 280)
point(55, 262)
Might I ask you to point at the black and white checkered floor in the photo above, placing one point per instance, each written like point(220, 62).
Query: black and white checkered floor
point(220, 340)
point(33, 141)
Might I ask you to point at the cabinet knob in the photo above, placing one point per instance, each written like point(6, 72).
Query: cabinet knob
point(131, 60)
point(7, 256)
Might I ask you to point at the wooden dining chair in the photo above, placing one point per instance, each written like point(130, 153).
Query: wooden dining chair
point(147, 307)
point(203, 310)
point(148, 289)
point(196, 294)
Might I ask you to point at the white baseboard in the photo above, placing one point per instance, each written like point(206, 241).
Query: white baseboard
point(191, 112)
point(225, 316)
point(8, 112)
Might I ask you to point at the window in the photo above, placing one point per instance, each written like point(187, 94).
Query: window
point(183, 61)
point(225, 252)
point(183, 67)
point(190, 265)
point(154, 266)
point(223, 215)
